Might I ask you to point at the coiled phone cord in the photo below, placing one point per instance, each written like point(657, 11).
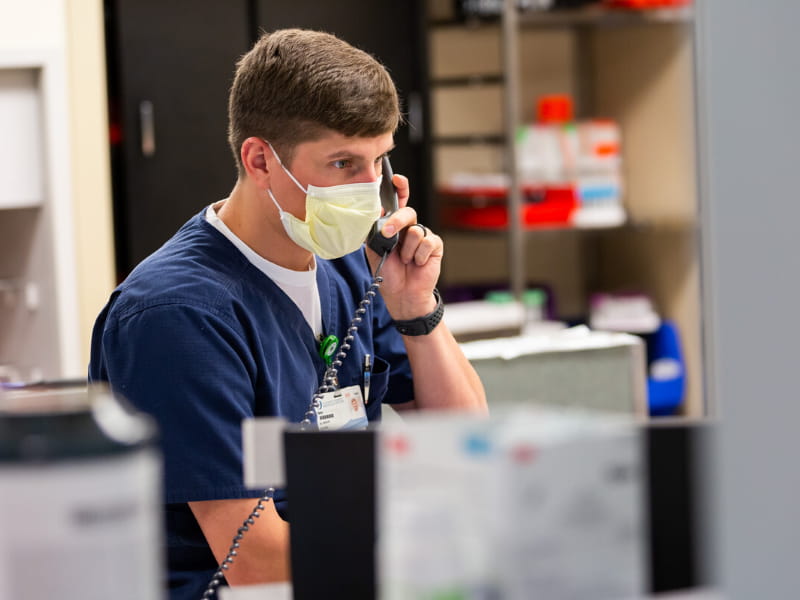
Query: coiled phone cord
point(328, 385)
point(329, 378)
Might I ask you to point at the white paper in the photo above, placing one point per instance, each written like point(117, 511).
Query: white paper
point(564, 340)
point(262, 444)
point(571, 524)
point(434, 512)
point(528, 500)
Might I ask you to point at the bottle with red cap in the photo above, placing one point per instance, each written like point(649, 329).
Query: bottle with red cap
point(547, 157)
point(547, 148)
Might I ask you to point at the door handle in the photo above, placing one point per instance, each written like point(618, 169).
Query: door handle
point(416, 122)
point(148, 128)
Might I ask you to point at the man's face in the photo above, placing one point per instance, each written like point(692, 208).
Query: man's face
point(331, 160)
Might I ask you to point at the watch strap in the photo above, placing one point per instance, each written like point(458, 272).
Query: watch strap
point(422, 325)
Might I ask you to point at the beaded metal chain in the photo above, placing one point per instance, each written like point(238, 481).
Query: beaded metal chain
point(233, 551)
point(328, 385)
point(329, 378)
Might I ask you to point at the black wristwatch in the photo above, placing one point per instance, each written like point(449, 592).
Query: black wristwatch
point(423, 325)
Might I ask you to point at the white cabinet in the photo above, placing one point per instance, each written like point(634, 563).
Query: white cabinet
point(21, 143)
point(39, 336)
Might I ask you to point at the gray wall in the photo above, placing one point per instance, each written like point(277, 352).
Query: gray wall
point(749, 102)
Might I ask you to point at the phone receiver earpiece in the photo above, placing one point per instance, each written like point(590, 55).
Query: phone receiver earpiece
point(376, 241)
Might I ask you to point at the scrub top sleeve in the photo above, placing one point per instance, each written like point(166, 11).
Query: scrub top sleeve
point(389, 346)
point(191, 370)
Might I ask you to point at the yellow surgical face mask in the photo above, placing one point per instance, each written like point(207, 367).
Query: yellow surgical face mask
point(338, 218)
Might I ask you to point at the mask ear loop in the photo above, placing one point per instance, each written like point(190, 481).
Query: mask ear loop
point(275, 202)
point(285, 170)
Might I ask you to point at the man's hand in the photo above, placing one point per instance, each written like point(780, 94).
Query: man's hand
point(412, 269)
point(443, 377)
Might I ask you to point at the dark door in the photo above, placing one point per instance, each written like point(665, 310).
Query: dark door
point(170, 66)
point(393, 32)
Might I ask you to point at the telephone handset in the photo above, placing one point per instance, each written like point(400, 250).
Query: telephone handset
point(380, 244)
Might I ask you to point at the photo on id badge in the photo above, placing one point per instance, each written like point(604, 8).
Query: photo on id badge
point(342, 409)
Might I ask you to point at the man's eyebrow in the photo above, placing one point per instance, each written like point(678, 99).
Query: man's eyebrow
point(342, 154)
point(349, 154)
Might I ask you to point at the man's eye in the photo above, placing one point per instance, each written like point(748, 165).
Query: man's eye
point(341, 164)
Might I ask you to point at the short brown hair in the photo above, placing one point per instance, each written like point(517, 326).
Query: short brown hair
point(296, 84)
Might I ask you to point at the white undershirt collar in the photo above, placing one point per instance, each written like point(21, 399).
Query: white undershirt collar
point(300, 286)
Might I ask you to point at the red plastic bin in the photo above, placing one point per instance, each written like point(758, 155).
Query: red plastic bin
point(486, 208)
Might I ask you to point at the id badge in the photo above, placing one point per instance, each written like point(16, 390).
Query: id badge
point(342, 409)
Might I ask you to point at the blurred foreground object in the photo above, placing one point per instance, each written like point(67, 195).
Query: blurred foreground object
point(547, 503)
point(80, 496)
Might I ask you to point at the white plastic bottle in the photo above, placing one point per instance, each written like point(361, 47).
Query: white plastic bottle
point(548, 148)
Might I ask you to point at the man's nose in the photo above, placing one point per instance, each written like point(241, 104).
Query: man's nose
point(369, 174)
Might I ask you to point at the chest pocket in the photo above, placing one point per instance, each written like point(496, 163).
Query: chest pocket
point(379, 384)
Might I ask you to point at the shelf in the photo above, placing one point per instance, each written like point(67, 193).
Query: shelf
point(21, 146)
point(632, 226)
point(595, 16)
point(468, 80)
point(19, 204)
point(530, 229)
point(601, 17)
point(635, 67)
point(470, 140)
point(9, 285)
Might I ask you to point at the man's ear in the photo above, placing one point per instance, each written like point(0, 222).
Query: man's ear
point(255, 155)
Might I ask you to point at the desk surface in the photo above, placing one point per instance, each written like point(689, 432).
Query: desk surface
point(271, 591)
point(283, 591)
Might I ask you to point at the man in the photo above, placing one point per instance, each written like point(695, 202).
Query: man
point(225, 321)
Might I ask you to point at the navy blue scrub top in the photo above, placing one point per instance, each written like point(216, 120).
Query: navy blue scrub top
point(201, 339)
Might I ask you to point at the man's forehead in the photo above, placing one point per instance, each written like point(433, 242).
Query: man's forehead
point(333, 146)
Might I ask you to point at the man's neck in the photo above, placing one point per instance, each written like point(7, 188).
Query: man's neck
point(254, 219)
